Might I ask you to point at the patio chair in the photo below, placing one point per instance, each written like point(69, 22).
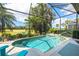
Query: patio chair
point(3, 50)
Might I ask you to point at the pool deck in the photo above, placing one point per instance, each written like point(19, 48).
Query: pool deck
point(54, 52)
point(11, 50)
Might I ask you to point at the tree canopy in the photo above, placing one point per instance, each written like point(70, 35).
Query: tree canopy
point(41, 19)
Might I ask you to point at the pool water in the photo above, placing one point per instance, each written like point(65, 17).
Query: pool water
point(44, 43)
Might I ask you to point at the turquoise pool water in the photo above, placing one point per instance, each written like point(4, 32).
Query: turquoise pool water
point(43, 43)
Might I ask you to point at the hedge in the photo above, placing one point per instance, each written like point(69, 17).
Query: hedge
point(76, 34)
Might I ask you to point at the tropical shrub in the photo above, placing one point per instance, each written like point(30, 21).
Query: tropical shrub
point(30, 34)
point(8, 36)
point(12, 37)
point(52, 30)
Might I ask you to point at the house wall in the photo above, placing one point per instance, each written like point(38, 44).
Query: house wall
point(72, 26)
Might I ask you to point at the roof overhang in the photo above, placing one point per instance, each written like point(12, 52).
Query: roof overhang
point(76, 7)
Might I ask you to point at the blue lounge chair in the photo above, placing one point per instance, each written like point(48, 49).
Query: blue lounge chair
point(3, 50)
point(22, 53)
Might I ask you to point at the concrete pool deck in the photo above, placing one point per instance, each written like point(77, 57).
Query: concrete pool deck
point(56, 51)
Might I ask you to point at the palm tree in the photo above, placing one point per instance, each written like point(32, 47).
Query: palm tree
point(6, 18)
point(41, 21)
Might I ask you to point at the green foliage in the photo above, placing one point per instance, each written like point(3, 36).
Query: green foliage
point(41, 21)
point(12, 37)
point(16, 36)
point(30, 34)
point(21, 35)
point(8, 36)
point(57, 25)
point(5, 34)
point(52, 30)
point(76, 34)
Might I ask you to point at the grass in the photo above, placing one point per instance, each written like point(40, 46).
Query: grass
point(15, 31)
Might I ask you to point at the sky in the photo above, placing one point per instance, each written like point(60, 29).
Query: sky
point(24, 7)
point(63, 12)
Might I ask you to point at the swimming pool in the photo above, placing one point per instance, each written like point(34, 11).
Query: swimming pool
point(43, 43)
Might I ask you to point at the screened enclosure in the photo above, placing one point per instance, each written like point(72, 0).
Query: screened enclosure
point(65, 21)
